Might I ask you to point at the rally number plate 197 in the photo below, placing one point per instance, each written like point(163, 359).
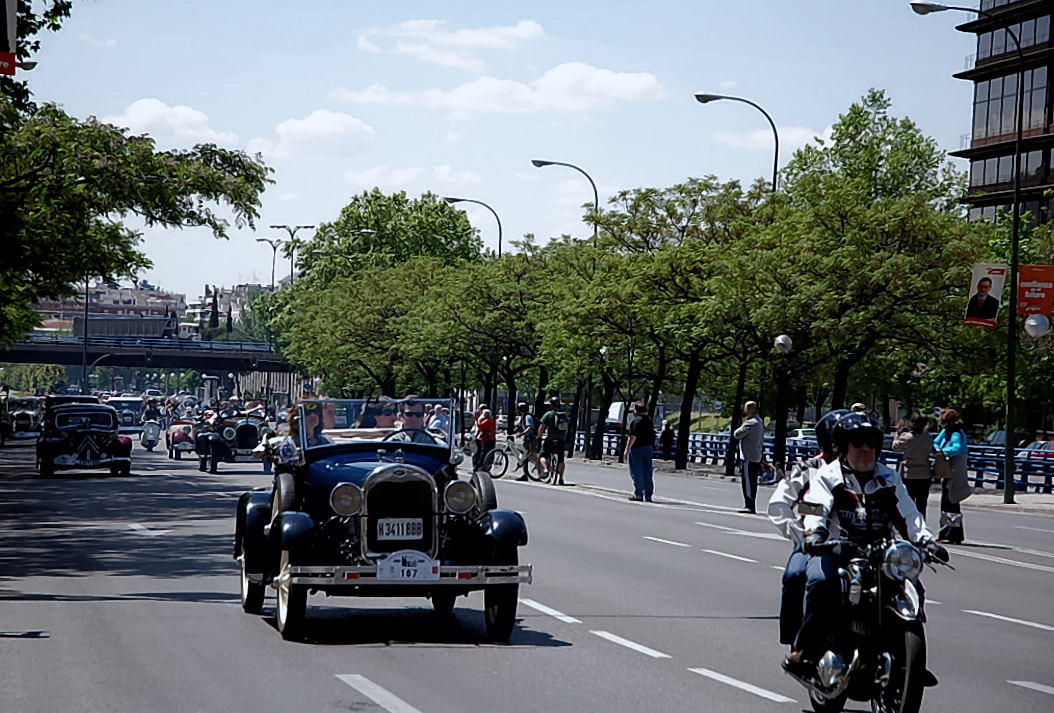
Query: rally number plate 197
point(408, 566)
point(400, 528)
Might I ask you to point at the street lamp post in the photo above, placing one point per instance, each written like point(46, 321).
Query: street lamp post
point(539, 163)
point(925, 8)
point(704, 98)
point(84, 340)
point(292, 230)
point(452, 201)
point(274, 243)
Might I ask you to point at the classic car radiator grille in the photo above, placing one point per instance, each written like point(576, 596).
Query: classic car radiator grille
point(248, 436)
point(409, 499)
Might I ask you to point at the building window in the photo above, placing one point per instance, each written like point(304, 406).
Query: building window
point(995, 104)
point(1029, 33)
point(1000, 169)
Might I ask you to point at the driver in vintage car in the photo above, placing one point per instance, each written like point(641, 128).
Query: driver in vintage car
point(857, 498)
point(413, 428)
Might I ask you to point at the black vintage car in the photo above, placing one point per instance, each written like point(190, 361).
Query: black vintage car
point(230, 437)
point(25, 414)
point(362, 509)
point(82, 435)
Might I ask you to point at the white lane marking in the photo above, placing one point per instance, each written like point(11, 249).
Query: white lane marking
point(745, 533)
point(742, 685)
point(934, 601)
point(1033, 686)
point(666, 542)
point(1003, 560)
point(379, 695)
point(731, 557)
point(639, 648)
point(550, 611)
point(1033, 624)
point(143, 530)
point(778, 566)
point(1033, 529)
point(1037, 553)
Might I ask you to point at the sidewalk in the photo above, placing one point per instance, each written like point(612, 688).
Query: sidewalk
point(982, 498)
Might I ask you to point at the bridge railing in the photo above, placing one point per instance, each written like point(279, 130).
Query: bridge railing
point(986, 465)
point(148, 343)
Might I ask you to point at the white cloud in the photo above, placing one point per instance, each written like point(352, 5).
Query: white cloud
point(321, 133)
point(430, 41)
point(290, 197)
point(453, 137)
point(571, 87)
point(417, 177)
point(105, 43)
point(178, 125)
point(435, 55)
point(792, 138)
point(365, 45)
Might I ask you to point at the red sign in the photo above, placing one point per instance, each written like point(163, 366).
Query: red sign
point(1035, 290)
point(7, 62)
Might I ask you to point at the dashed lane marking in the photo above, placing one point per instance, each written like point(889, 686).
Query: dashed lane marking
point(639, 648)
point(1034, 529)
point(550, 611)
point(378, 694)
point(143, 530)
point(1032, 624)
point(745, 533)
point(742, 685)
point(1033, 686)
point(731, 557)
point(1002, 560)
point(666, 542)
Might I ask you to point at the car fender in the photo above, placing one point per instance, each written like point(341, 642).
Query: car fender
point(505, 527)
point(122, 446)
point(250, 538)
point(292, 530)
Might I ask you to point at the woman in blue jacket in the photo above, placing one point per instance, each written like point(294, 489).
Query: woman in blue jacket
point(951, 441)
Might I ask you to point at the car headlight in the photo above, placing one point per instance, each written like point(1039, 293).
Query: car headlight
point(459, 497)
point(346, 499)
point(228, 433)
point(902, 560)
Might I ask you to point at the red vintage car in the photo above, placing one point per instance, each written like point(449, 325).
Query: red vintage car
point(179, 437)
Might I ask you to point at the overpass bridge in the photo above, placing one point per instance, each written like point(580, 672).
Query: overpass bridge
point(147, 353)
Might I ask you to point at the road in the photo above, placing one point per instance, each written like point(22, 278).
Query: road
point(120, 595)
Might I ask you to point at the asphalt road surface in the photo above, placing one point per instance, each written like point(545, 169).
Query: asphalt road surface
point(119, 594)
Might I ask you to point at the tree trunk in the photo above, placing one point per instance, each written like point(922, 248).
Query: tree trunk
point(730, 449)
point(510, 406)
point(539, 398)
point(656, 384)
point(607, 395)
point(684, 425)
point(841, 384)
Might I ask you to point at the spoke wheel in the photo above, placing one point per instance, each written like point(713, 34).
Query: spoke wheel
point(291, 609)
point(907, 682)
point(496, 463)
point(252, 593)
point(534, 469)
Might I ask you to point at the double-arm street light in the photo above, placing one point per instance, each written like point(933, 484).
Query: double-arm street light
point(539, 163)
point(274, 243)
point(925, 8)
point(451, 200)
point(704, 98)
point(292, 230)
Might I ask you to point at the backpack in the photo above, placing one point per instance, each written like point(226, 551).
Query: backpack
point(561, 421)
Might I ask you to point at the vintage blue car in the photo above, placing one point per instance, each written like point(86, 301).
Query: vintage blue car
point(366, 501)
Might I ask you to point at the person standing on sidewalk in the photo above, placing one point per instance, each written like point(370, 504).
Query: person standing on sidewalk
point(951, 441)
point(914, 469)
point(666, 440)
point(640, 447)
point(751, 437)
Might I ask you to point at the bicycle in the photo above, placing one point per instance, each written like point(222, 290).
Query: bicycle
point(496, 463)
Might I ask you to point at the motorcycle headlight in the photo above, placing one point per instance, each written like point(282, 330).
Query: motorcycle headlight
point(459, 497)
point(346, 499)
point(228, 433)
point(902, 560)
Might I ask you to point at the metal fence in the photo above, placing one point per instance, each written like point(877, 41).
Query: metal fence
point(151, 343)
point(985, 465)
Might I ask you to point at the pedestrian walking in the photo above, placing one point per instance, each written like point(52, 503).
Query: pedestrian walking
point(751, 437)
point(951, 441)
point(640, 448)
point(916, 445)
point(666, 440)
point(486, 435)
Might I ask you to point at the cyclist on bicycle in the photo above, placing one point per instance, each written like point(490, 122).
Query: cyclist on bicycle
point(553, 434)
point(524, 428)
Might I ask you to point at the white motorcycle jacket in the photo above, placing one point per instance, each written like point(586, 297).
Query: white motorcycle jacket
point(783, 505)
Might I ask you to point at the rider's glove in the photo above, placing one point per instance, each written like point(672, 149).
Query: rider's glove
point(814, 539)
point(936, 550)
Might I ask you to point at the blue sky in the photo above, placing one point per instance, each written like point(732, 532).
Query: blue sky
point(457, 97)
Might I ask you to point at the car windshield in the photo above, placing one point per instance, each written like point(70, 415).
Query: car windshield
point(125, 404)
point(24, 404)
point(84, 419)
point(326, 421)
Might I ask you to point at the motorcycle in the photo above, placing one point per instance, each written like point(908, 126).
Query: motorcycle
point(151, 434)
point(878, 651)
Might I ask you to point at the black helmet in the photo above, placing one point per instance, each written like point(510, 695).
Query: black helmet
point(856, 427)
point(824, 427)
point(554, 401)
point(522, 406)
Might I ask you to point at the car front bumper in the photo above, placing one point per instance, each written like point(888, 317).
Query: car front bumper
point(449, 575)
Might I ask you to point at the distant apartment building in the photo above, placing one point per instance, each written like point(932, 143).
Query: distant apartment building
point(994, 71)
point(226, 300)
point(142, 300)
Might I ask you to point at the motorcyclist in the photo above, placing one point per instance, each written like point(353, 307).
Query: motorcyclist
point(150, 412)
point(783, 512)
point(857, 498)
